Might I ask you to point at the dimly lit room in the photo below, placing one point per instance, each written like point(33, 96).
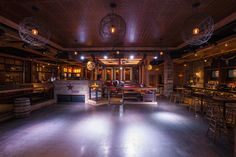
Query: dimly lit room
point(117, 78)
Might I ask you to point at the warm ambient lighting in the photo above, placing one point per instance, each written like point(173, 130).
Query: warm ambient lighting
point(161, 53)
point(198, 74)
point(113, 29)
point(205, 60)
point(195, 54)
point(226, 44)
point(64, 70)
point(105, 57)
point(180, 75)
point(131, 57)
point(76, 70)
point(196, 31)
point(34, 31)
point(75, 53)
point(155, 57)
point(117, 52)
point(69, 70)
point(149, 67)
point(185, 65)
point(121, 68)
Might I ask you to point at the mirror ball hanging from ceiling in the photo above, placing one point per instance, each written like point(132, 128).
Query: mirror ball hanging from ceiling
point(112, 27)
point(198, 29)
point(33, 32)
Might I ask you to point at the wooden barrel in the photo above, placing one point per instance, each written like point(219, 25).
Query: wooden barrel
point(22, 107)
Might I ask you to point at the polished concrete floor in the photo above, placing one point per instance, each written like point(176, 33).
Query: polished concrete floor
point(77, 130)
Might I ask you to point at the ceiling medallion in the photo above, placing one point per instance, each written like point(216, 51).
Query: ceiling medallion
point(112, 27)
point(198, 29)
point(33, 32)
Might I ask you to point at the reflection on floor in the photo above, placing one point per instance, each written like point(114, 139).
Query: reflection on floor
point(77, 130)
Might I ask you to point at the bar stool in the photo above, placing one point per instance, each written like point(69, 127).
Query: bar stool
point(230, 114)
point(194, 105)
point(216, 122)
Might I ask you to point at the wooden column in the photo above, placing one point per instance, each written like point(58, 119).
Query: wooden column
point(96, 73)
point(139, 74)
point(147, 72)
point(168, 75)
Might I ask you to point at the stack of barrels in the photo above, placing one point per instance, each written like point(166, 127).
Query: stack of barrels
point(22, 107)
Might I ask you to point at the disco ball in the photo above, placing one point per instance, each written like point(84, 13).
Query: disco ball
point(90, 65)
point(112, 28)
point(33, 32)
point(198, 29)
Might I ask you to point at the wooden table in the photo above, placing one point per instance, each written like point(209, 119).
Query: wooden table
point(139, 90)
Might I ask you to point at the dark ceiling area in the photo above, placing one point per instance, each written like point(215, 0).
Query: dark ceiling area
point(18, 52)
point(150, 23)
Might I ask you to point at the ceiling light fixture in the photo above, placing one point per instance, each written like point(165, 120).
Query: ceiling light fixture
point(29, 30)
point(112, 26)
point(198, 29)
point(75, 53)
point(161, 53)
point(131, 57)
point(113, 29)
point(34, 31)
point(155, 57)
point(82, 57)
point(105, 57)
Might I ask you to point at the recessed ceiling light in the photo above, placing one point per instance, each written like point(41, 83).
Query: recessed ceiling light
point(75, 53)
point(205, 60)
point(185, 65)
point(117, 52)
point(155, 57)
point(82, 57)
point(161, 53)
point(105, 57)
point(226, 44)
point(131, 57)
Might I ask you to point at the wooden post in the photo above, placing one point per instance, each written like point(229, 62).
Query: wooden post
point(168, 75)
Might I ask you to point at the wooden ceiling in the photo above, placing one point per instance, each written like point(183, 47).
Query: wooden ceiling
point(150, 23)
